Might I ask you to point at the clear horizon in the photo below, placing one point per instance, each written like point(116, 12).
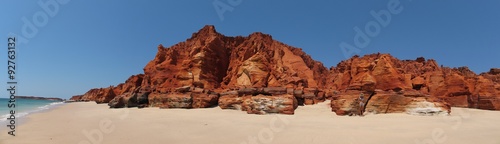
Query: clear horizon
point(80, 45)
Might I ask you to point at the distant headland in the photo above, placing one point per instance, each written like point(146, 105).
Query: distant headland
point(39, 98)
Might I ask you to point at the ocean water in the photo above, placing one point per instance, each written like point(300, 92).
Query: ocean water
point(25, 107)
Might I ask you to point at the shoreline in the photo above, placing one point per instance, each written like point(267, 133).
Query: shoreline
point(25, 117)
point(89, 122)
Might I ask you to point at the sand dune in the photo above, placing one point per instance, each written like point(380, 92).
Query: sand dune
point(89, 123)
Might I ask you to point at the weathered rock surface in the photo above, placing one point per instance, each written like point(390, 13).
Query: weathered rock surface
point(232, 101)
point(255, 72)
point(213, 61)
point(204, 100)
point(184, 97)
point(260, 100)
point(105, 95)
point(441, 86)
point(76, 98)
point(411, 102)
point(135, 98)
point(261, 104)
point(99, 95)
point(130, 84)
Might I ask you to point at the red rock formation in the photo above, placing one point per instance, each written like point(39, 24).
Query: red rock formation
point(422, 78)
point(256, 69)
point(204, 99)
point(99, 95)
point(130, 84)
point(76, 98)
point(210, 60)
point(493, 75)
point(412, 102)
point(488, 90)
point(260, 104)
point(134, 98)
point(184, 97)
point(213, 61)
point(232, 101)
point(261, 100)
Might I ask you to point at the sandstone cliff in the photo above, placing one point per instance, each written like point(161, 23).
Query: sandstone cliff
point(213, 61)
point(260, 75)
point(416, 79)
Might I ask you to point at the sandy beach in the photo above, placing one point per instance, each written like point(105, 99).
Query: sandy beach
point(89, 123)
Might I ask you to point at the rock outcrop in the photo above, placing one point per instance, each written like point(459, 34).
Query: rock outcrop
point(260, 100)
point(76, 98)
point(99, 95)
point(135, 98)
point(130, 84)
point(260, 75)
point(190, 74)
point(213, 61)
point(105, 95)
point(412, 102)
point(409, 80)
point(184, 97)
point(261, 104)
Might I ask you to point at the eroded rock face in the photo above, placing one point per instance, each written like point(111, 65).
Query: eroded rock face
point(76, 98)
point(255, 72)
point(457, 87)
point(214, 62)
point(259, 61)
point(412, 102)
point(232, 101)
point(204, 100)
point(261, 104)
point(134, 98)
point(184, 97)
point(100, 95)
point(260, 100)
point(130, 84)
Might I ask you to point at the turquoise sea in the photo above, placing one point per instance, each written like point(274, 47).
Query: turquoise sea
point(24, 107)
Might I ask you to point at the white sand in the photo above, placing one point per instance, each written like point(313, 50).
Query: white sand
point(310, 125)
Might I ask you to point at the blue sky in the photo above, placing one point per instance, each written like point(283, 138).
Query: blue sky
point(92, 43)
